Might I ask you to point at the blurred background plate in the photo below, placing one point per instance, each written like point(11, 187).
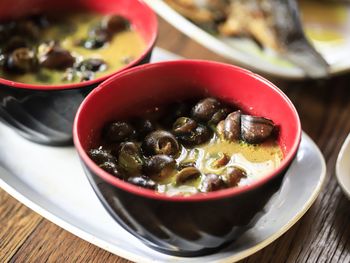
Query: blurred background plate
point(326, 24)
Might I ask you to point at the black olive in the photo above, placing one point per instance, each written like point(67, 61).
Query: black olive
point(184, 125)
point(232, 126)
point(119, 131)
point(256, 129)
point(129, 159)
point(234, 175)
point(92, 64)
point(111, 167)
point(212, 182)
point(187, 173)
point(199, 135)
point(142, 181)
point(115, 24)
point(52, 56)
point(101, 156)
point(160, 165)
point(161, 142)
point(205, 109)
point(21, 60)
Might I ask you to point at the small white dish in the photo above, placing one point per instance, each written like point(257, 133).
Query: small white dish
point(329, 34)
point(342, 168)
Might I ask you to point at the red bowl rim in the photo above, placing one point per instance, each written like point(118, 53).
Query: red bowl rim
point(225, 193)
point(146, 51)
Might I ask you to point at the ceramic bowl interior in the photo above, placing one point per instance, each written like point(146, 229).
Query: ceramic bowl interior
point(135, 90)
point(142, 18)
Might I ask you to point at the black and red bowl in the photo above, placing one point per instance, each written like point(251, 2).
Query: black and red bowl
point(201, 223)
point(45, 113)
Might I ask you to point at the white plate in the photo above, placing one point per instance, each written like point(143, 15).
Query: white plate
point(343, 167)
point(52, 183)
point(247, 54)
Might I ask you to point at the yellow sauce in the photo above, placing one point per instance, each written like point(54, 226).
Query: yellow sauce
point(256, 160)
point(124, 45)
point(324, 22)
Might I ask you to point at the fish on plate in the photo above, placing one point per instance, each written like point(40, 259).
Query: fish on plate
point(273, 24)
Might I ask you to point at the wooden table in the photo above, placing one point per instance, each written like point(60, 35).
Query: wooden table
point(322, 235)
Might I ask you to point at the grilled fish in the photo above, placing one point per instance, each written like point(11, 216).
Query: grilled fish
point(273, 24)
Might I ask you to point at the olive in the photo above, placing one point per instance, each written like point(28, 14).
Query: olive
point(86, 75)
point(111, 167)
point(234, 175)
point(232, 126)
point(161, 142)
point(160, 165)
point(199, 135)
point(52, 56)
point(256, 129)
point(92, 64)
point(115, 23)
point(129, 158)
point(142, 181)
point(21, 60)
point(187, 173)
point(212, 182)
point(119, 131)
point(100, 156)
point(205, 109)
point(184, 125)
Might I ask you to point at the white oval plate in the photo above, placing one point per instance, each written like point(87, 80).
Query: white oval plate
point(342, 167)
point(50, 181)
point(245, 53)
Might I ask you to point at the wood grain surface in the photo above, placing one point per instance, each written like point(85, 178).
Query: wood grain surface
point(322, 235)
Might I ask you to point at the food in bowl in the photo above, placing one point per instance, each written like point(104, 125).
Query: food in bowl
point(189, 147)
point(272, 25)
point(76, 47)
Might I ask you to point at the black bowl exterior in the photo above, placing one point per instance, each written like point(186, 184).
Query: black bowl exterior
point(184, 228)
point(44, 116)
